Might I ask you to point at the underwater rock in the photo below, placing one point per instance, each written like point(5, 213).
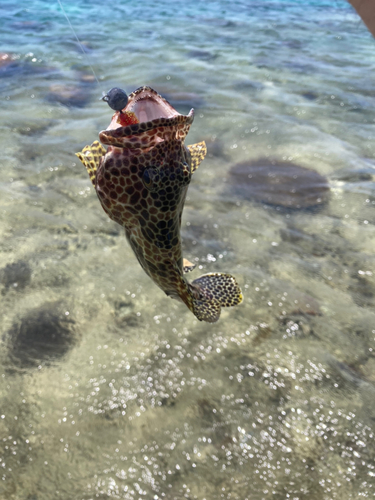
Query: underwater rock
point(203, 55)
point(354, 174)
point(35, 128)
point(30, 25)
point(310, 95)
point(350, 374)
point(248, 85)
point(70, 95)
point(16, 275)
point(124, 314)
point(43, 334)
point(362, 291)
point(279, 183)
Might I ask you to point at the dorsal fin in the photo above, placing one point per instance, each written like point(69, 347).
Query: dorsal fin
point(198, 152)
point(90, 156)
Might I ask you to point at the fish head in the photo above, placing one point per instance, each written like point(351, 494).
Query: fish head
point(146, 120)
point(143, 178)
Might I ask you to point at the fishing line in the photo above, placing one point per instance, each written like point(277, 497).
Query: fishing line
point(115, 98)
point(79, 42)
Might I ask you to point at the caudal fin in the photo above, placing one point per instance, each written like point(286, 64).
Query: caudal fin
point(215, 290)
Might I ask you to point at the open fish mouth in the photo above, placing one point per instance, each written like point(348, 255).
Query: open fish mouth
point(146, 112)
point(148, 105)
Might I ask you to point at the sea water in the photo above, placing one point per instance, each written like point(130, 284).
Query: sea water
point(108, 388)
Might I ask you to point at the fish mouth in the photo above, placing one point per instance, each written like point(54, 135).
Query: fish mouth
point(148, 105)
point(151, 110)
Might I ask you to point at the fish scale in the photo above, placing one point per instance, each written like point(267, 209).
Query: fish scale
point(141, 181)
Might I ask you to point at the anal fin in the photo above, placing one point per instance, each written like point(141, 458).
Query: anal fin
point(90, 156)
point(187, 266)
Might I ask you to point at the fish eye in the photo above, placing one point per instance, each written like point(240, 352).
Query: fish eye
point(116, 99)
point(150, 178)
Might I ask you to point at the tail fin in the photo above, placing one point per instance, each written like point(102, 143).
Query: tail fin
point(90, 157)
point(215, 291)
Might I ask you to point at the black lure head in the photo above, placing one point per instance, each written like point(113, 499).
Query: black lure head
point(116, 99)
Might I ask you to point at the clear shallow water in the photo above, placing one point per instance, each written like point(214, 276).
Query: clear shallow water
point(108, 388)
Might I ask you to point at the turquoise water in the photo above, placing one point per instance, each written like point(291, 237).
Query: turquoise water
point(108, 389)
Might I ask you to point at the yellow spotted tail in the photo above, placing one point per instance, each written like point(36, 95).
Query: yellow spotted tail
point(216, 290)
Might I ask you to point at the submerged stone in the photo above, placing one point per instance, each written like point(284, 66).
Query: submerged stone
point(70, 95)
point(43, 334)
point(310, 96)
point(362, 291)
point(16, 275)
point(204, 55)
point(30, 25)
point(362, 174)
point(34, 128)
point(248, 85)
point(279, 183)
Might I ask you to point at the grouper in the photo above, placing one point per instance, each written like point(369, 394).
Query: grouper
point(141, 180)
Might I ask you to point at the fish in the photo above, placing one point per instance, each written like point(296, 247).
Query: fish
point(141, 180)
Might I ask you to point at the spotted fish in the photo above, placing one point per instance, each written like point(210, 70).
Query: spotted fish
point(141, 181)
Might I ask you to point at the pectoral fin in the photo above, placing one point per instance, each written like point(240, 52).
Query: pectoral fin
point(90, 156)
point(198, 152)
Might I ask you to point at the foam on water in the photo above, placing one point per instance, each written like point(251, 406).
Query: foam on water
point(137, 399)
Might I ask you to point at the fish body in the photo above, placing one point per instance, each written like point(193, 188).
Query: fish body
point(141, 181)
